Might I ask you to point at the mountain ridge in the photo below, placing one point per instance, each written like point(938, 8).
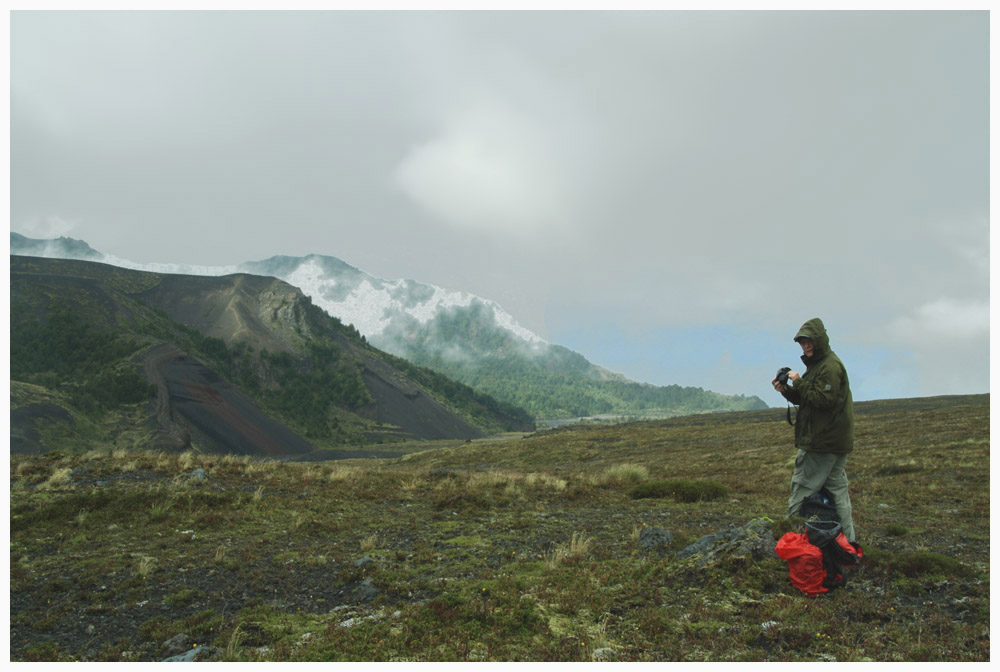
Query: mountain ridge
point(465, 337)
point(241, 364)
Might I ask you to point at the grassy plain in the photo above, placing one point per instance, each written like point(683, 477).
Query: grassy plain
point(514, 548)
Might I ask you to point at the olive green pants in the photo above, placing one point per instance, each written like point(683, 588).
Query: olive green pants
point(814, 471)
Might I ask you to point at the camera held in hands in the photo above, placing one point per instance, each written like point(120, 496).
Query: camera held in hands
point(782, 376)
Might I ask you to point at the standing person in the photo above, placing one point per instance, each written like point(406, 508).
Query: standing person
point(824, 424)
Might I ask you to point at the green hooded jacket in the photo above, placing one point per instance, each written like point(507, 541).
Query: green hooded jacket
point(825, 420)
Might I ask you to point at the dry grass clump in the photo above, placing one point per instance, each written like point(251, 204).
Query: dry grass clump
point(490, 488)
point(185, 460)
point(340, 473)
point(412, 484)
point(575, 549)
point(622, 473)
point(511, 481)
point(145, 566)
point(545, 481)
point(369, 543)
point(60, 478)
point(257, 468)
point(160, 509)
point(220, 554)
point(491, 479)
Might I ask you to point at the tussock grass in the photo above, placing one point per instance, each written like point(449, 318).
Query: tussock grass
point(369, 543)
point(59, 478)
point(623, 473)
point(545, 481)
point(575, 549)
point(145, 566)
point(337, 474)
point(186, 460)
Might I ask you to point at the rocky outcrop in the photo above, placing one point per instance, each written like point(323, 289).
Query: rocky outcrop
point(263, 313)
point(755, 540)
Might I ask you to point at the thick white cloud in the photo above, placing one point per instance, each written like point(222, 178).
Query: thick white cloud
point(48, 226)
point(949, 320)
point(490, 170)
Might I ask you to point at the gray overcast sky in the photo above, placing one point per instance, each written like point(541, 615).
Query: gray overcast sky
point(669, 193)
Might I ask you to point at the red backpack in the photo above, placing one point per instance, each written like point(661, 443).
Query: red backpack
point(816, 558)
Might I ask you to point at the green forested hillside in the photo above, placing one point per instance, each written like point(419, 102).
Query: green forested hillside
point(549, 381)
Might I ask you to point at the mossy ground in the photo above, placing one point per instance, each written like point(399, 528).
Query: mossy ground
point(524, 548)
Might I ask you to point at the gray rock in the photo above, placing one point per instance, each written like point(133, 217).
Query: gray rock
point(187, 657)
point(364, 562)
point(655, 539)
point(366, 591)
point(604, 654)
point(198, 475)
point(754, 540)
point(177, 644)
point(190, 656)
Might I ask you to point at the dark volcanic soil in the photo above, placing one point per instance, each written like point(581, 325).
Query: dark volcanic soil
point(194, 401)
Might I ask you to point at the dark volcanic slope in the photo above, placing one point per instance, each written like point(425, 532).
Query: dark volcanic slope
point(25, 438)
point(415, 412)
point(214, 411)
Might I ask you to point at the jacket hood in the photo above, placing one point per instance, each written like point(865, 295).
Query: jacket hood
point(814, 330)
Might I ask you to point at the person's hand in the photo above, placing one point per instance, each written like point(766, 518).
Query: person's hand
point(778, 386)
point(793, 376)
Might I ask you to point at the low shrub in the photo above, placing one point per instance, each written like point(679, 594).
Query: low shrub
point(923, 563)
point(900, 468)
point(456, 498)
point(681, 491)
point(184, 597)
point(789, 524)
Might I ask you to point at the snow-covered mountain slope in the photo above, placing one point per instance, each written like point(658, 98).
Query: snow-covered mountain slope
point(373, 305)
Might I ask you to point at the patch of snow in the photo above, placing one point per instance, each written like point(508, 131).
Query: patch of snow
point(175, 269)
point(371, 303)
point(507, 322)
